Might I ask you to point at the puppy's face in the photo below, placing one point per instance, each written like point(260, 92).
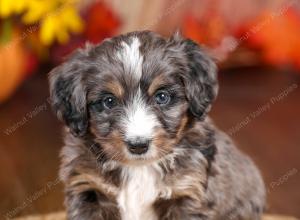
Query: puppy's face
point(135, 93)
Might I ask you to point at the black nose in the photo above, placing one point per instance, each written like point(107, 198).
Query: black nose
point(138, 147)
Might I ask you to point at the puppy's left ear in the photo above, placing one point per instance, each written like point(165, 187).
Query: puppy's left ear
point(200, 80)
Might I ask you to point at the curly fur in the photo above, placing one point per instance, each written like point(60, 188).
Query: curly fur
point(191, 170)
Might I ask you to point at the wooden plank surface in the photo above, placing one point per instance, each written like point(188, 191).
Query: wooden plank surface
point(62, 216)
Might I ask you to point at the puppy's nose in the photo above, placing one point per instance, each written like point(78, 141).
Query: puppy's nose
point(138, 147)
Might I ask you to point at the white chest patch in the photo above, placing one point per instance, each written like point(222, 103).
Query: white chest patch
point(138, 194)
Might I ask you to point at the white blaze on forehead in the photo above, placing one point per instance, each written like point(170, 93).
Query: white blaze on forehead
point(131, 57)
point(139, 121)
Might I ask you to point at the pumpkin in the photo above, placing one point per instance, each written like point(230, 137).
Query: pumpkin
point(12, 66)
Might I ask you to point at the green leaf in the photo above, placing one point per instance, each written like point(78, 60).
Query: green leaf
point(6, 31)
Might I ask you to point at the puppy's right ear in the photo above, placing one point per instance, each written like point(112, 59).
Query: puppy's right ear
point(68, 96)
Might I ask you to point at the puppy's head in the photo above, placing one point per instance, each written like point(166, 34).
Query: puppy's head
point(136, 93)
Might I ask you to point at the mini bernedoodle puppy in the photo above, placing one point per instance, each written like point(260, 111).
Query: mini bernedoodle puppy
point(138, 142)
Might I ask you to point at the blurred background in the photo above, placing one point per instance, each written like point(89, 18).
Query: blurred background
point(256, 44)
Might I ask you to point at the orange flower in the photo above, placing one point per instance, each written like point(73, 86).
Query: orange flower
point(278, 37)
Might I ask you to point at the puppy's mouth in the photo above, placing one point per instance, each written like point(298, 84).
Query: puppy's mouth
point(141, 152)
point(135, 151)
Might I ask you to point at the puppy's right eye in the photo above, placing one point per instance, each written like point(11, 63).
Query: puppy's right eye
point(108, 101)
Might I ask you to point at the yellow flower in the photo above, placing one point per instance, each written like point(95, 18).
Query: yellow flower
point(56, 17)
point(58, 25)
point(38, 9)
point(8, 7)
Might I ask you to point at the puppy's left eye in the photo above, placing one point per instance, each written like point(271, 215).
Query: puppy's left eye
point(162, 97)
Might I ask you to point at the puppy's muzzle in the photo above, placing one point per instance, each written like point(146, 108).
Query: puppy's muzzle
point(138, 146)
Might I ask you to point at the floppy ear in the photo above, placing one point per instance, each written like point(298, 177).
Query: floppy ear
point(201, 84)
point(68, 96)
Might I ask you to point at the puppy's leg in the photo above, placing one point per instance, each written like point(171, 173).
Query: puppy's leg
point(90, 204)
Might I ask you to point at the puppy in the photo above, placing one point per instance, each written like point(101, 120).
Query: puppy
point(138, 142)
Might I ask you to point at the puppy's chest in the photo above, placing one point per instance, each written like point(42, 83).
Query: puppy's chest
point(142, 186)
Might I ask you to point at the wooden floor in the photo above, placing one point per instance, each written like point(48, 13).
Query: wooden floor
point(266, 128)
point(62, 216)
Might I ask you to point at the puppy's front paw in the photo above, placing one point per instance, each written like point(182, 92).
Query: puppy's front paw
point(91, 205)
point(179, 209)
